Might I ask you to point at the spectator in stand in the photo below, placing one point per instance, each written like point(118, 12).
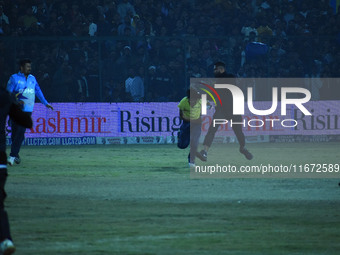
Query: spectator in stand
point(249, 26)
point(104, 27)
point(123, 62)
point(264, 33)
point(149, 83)
point(108, 10)
point(163, 84)
point(92, 25)
point(59, 91)
point(29, 20)
point(290, 13)
point(4, 22)
point(120, 95)
point(158, 24)
point(179, 29)
point(126, 26)
point(129, 80)
point(135, 19)
point(4, 64)
point(83, 92)
point(45, 80)
point(176, 70)
point(42, 14)
point(108, 91)
point(137, 86)
point(125, 8)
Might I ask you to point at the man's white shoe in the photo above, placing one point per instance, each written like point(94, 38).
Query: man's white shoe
point(192, 165)
point(7, 247)
point(10, 160)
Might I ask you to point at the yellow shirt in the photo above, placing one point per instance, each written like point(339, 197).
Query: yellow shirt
point(190, 112)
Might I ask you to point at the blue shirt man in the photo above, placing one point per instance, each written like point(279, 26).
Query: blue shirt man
point(24, 87)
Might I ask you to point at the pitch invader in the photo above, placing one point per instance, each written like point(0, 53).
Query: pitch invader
point(225, 112)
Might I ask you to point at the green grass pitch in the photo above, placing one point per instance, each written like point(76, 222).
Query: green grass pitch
point(140, 199)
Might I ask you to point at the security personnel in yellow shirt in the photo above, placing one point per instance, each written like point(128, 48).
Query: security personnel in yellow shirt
point(190, 130)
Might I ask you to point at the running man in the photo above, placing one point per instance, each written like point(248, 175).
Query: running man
point(225, 112)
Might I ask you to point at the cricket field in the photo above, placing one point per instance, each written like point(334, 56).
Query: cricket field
point(140, 199)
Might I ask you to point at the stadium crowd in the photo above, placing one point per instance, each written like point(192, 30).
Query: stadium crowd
point(146, 50)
